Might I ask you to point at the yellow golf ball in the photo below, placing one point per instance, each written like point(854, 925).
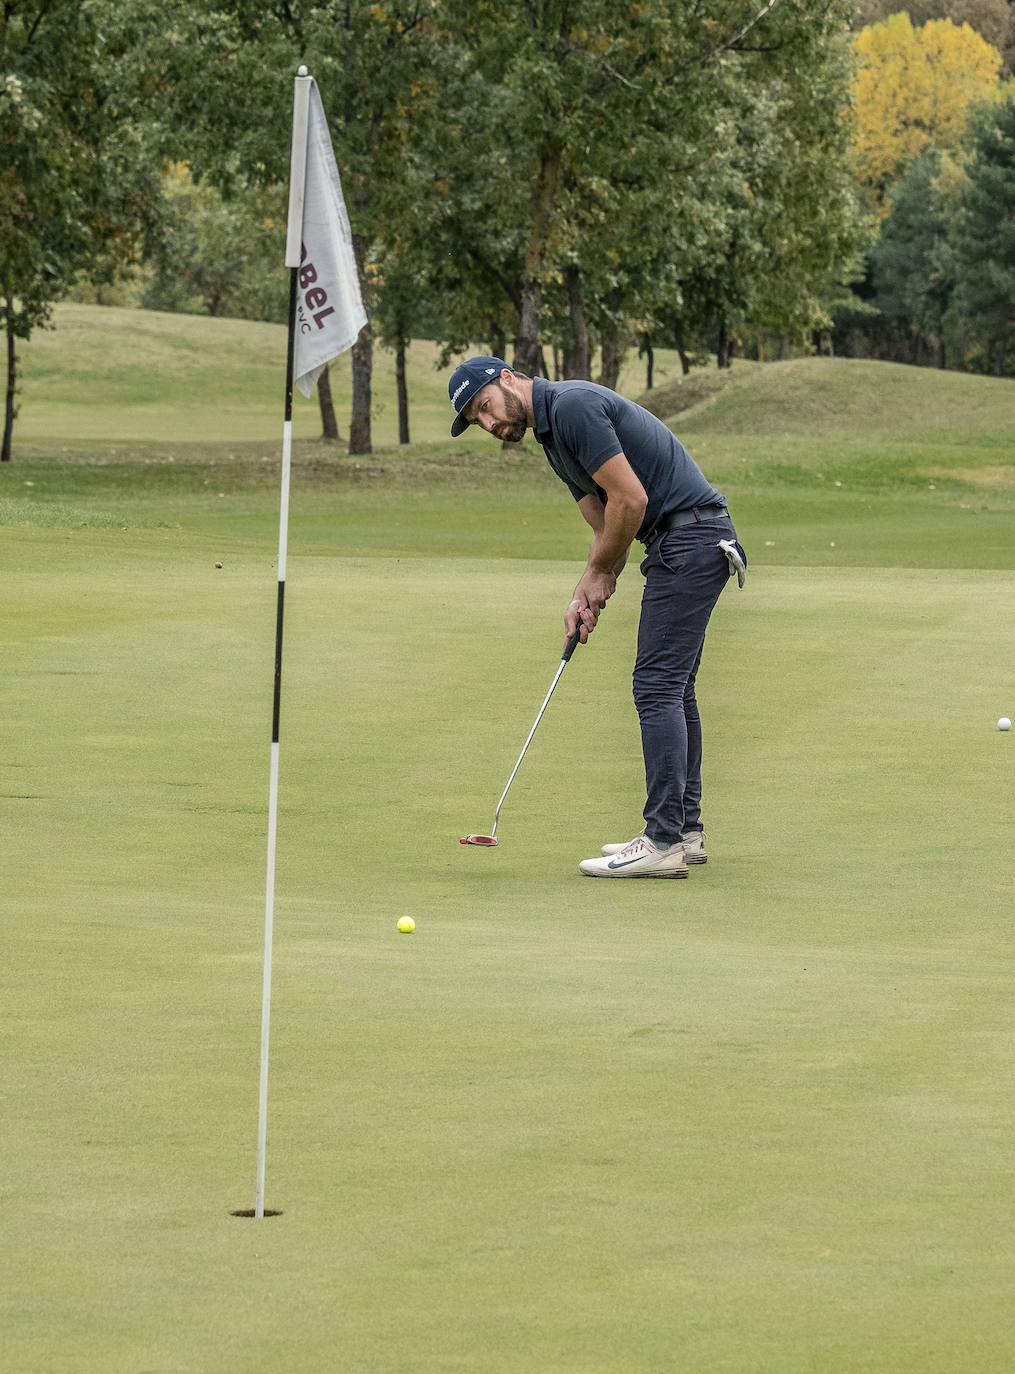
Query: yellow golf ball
point(406, 925)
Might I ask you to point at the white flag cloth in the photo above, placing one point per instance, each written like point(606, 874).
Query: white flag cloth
point(329, 313)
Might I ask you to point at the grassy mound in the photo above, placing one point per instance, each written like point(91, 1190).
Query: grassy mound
point(836, 396)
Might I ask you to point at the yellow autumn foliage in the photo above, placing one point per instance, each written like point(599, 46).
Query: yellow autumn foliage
point(914, 91)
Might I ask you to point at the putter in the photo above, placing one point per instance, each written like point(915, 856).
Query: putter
point(491, 839)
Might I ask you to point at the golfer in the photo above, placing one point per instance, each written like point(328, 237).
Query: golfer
point(632, 479)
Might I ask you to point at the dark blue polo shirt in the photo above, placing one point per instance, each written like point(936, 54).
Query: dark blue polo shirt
point(580, 425)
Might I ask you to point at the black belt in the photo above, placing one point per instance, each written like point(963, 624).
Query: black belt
point(716, 511)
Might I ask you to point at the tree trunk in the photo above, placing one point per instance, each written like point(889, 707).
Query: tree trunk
point(12, 378)
point(577, 364)
point(526, 357)
point(402, 390)
point(527, 352)
point(362, 363)
point(329, 425)
point(609, 369)
point(823, 345)
point(648, 353)
point(681, 343)
point(609, 344)
point(362, 396)
point(724, 348)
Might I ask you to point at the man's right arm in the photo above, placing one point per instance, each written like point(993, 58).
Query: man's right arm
point(580, 613)
point(594, 513)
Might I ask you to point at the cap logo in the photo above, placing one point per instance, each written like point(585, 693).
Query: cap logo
point(469, 378)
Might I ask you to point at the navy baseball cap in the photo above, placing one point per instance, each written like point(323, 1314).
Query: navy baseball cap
point(466, 380)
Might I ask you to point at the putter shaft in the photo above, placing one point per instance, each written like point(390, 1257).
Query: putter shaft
point(569, 649)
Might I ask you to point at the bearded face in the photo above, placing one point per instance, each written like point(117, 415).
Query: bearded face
point(501, 413)
point(512, 428)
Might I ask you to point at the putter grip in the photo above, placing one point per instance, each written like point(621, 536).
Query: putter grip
point(572, 644)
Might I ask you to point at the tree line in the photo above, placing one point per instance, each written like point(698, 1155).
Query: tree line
point(935, 157)
point(554, 180)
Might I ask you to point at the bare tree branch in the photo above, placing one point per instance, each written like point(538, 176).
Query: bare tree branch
point(737, 37)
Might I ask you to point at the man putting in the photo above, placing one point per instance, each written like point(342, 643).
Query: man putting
point(632, 479)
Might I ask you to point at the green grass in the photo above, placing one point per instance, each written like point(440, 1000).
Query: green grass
point(824, 397)
point(756, 1121)
point(108, 375)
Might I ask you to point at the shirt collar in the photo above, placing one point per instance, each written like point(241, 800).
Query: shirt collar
point(540, 410)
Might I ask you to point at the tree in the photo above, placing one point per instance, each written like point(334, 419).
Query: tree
point(216, 256)
point(984, 245)
point(77, 187)
point(792, 228)
point(910, 264)
point(215, 67)
point(991, 19)
point(610, 181)
point(914, 90)
point(555, 173)
point(757, 224)
point(402, 312)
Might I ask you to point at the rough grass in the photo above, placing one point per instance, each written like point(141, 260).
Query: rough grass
point(106, 375)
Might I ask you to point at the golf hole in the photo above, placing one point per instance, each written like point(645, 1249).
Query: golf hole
point(250, 1212)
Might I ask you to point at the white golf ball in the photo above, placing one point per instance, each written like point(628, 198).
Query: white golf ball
point(1004, 723)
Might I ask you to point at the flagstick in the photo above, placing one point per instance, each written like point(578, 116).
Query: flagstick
point(292, 257)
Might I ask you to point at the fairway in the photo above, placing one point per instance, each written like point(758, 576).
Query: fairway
point(756, 1121)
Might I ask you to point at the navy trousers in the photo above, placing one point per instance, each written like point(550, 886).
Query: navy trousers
point(685, 572)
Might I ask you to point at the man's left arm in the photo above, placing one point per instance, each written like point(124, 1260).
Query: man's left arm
point(614, 527)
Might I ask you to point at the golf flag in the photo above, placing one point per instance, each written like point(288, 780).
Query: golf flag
point(329, 308)
point(325, 315)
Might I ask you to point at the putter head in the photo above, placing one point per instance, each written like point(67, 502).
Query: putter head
point(488, 840)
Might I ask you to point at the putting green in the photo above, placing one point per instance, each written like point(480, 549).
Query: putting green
point(755, 1120)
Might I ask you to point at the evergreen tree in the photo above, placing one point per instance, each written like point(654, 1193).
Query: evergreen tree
point(984, 303)
point(912, 284)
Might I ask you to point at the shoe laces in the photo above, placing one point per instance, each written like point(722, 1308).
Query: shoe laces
point(639, 845)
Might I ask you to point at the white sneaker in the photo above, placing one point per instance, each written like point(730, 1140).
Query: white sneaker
point(616, 848)
point(694, 847)
point(693, 842)
point(638, 859)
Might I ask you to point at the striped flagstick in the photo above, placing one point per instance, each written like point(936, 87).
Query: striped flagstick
point(297, 179)
point(325, 316)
